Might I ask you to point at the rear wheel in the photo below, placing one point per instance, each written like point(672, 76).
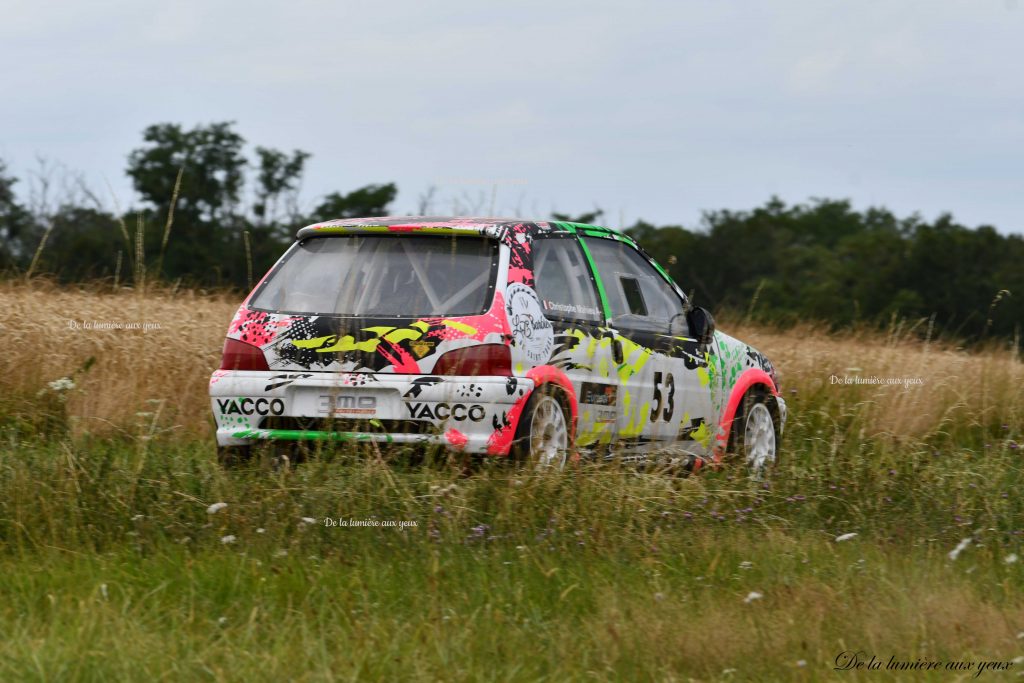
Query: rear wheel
point(542, 436)
point(758, 435)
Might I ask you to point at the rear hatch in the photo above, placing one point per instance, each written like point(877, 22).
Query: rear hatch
point(375, 302)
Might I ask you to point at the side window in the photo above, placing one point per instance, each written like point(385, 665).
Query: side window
point(562, 280)
point(638, 295)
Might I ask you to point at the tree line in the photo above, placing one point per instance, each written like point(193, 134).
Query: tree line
point(212, 215)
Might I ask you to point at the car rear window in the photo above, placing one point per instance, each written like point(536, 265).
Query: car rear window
point(402, 276)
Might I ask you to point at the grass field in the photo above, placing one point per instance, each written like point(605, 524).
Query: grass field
point(112, 566)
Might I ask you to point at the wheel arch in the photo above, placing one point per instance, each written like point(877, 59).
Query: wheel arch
point(751, 381)
point(543, 376)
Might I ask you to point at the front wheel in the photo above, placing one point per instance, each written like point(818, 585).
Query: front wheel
point(758, 436)
point(542, 436)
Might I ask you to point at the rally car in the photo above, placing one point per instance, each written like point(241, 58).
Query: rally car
point(536, 339)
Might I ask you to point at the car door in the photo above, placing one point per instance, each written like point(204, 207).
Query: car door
point(583, 348)
point(663, 376)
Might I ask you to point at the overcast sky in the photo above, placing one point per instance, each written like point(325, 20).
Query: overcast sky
point(655, 110)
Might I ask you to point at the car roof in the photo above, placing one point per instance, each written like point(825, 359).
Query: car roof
point(497, 228)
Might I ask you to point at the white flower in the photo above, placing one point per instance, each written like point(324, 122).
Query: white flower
point(62, 384)
point(227, 539)
point(846, 537)
point(1011, 558)
point(960, 547)
point(222, 621)
point(308, 520)
point(261, 530)
point(215, 508)
point(751, 596)
point(746, 564)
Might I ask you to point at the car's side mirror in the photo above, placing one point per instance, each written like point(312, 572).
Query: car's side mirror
point(702, 325)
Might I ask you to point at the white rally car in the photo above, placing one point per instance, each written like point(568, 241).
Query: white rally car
point(487, 336)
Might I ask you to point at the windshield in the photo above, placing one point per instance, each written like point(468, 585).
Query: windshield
point(375, 275)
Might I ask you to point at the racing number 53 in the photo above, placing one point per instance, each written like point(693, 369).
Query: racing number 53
point(669, 386)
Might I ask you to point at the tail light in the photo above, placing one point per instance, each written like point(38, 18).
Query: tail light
point(241, 356)
point(484, 359)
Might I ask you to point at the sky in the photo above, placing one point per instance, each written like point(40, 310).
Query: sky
point(649, 110)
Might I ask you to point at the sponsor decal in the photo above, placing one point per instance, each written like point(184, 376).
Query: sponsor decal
point(251, 406)
point(444, 411)
point(598, 394)
point(419, 384)
point(421, 348)
point(532, 334)
point(348, 405)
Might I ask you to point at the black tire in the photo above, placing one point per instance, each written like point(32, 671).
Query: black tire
point(546, 449)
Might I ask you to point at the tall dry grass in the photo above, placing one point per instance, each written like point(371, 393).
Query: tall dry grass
point(163, 372)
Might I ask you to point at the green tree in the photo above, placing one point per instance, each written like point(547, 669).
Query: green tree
point(17, 228)
point(278, 176)
point(371, 200)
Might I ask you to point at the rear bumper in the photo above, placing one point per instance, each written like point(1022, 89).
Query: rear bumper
point(463, 413)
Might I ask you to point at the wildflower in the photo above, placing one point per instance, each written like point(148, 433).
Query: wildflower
point(752, 596)
point(227, 539)
point(222, 621)
point(62, 384)
point(308, 520)
point(1011, 558)
point(215, 508)
point(846, 537)
point(960, 547)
